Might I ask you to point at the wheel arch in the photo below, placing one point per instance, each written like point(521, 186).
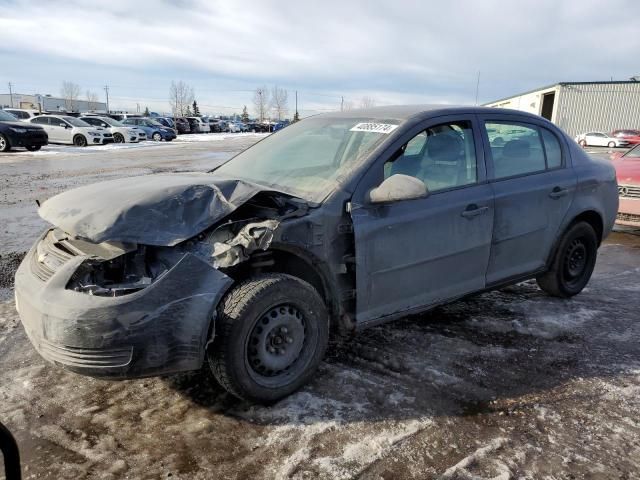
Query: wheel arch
point(592, 217)
point(298, 263)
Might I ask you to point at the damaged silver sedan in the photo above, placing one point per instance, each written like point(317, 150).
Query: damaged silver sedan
point(337, 222)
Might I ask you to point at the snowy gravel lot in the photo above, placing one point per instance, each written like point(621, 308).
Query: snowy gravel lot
point(510, 384)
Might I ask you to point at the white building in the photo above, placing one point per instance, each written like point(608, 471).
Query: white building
point(578, 107)
point(48, 103)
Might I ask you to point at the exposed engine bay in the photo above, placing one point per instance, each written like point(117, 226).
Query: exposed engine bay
point(115, 269)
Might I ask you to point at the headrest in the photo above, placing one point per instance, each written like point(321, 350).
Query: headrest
point(516, 149)
point(444, 147)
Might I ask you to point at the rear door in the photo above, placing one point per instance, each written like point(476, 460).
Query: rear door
point(415, 253)
point(533, 186)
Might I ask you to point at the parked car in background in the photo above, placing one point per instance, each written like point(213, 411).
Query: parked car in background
point(215, 125)
point(71, 130)
point(154, 130)
point(23, 114)
point(232, 127)
point(631, 136)
point(600, 139)
point(413, 209)
point(16, 134)
point(123, 116)
point(166, 121)
point(198, 125)
point(121, 133)
point(627, 167)
point(257, 127)
point(182, 125)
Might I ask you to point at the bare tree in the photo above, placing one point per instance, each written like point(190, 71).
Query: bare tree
point(367, 102)
point(260, 102)
point(181, 96)
point(279, 102)
point(70, 92)
point(92, 100)
point(347, 105)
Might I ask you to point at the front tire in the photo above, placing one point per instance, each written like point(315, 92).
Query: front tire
point(34, 148)
point(611, 144)
point(5, 146)
point(271, 333)
point(583, 143)
point(573, 262)
point(80, 141)
point(118, 138)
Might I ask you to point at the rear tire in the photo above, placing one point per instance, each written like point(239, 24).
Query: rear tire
point(573, 262)
point(271, 333)
point(80, 141)
point(5, 146)
point(611, 144)
point(582, 143)
point(156, 136)
point(34, 148)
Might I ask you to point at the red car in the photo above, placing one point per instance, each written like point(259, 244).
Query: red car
point(627, 168)
point(631, 136)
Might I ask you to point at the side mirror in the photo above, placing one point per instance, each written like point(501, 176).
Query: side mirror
point(398, 187)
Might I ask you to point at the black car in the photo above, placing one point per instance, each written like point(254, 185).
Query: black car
point(339, 221)
point(14, 133)
point(182, 125)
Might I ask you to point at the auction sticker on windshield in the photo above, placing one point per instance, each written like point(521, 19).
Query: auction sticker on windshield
point(374, 127)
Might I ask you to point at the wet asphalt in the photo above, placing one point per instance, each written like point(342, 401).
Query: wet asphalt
point(507, 384)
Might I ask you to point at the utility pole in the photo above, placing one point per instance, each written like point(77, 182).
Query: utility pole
point(11, 94)
point(477, 87)
point(342, 103)
point(261, 106)
point(106, 89)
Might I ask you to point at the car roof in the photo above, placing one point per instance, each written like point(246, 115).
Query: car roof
point(406, 112)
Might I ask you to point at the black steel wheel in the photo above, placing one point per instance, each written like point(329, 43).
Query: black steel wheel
point(270, 335)
point(5, 146)
point(573, 262)
point(118, 138)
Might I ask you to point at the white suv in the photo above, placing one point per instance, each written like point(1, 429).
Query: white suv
point(121, 133)
point(71, 130)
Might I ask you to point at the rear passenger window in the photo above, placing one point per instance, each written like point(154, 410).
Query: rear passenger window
point(519, 149)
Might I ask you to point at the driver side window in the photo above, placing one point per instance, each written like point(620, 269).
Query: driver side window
point(442, 156)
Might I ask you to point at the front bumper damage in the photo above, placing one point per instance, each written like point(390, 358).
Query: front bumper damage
point(160, 329)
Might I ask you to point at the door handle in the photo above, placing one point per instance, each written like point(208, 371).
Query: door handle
point(474, 210)
point(558, 192)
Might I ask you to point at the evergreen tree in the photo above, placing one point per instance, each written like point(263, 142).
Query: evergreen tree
point(196, 110)
point(245, 115)
point(146, 111)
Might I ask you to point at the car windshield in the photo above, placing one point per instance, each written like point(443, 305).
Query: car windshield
point(76, 122)
point(153, 123)
point(7, 117)
point(309, 157)
point(111, 121)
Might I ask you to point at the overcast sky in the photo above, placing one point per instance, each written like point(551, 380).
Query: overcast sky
point(393, 51)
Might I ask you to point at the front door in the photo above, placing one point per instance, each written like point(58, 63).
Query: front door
point(533, 188)
point(414, 253)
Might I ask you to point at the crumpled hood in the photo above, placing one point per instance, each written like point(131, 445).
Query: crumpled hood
point(162, 209)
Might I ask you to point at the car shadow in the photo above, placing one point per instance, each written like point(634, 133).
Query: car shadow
point(459, 359)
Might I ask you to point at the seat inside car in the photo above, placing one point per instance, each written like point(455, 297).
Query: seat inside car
point(517, 157)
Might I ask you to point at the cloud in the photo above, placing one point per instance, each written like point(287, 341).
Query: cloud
point(392, 51)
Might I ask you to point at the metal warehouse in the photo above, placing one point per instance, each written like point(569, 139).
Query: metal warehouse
point(49, 103)
point(579, 107)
